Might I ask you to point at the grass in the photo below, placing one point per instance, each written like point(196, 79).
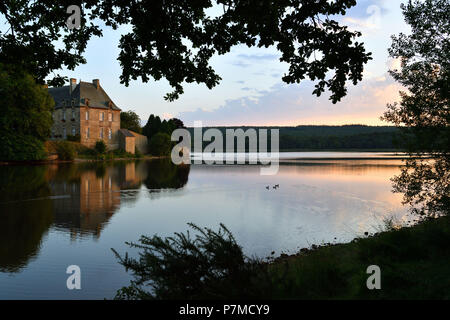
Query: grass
point(414, 263)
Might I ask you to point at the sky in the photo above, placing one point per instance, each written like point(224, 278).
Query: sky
point(251, 91)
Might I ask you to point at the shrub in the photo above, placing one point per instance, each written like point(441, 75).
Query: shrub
point(19, 147)
point(87, 152)
point(100, 147)
point(65, 150)
point(211, 265)
point(74, 138)
point(160, 144)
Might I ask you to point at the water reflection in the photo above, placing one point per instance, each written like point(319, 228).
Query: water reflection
point(58, 215)
point(76, 198)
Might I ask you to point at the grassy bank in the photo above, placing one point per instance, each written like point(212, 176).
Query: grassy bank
point(414, 263)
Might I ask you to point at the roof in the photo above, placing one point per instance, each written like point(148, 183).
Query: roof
point(136, 134)
point(83, 93)
point(126, 133)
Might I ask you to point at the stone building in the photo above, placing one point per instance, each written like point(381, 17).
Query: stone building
point(85, 109)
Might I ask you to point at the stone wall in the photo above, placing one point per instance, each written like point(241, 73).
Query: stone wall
point(95, 125)
point(141, 142)
point(69, 122)
point(127, 143)
point(79, 124)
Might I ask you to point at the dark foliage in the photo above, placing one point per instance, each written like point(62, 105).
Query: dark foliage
point(326, 137)
point(163, 174)
point(414, 263)
point(65, 150)
point(100, 147)
point(160, 144)
point(155, 125)
point(33, 29)
point(176, 39)
point(131, 121)
point(25, 117)
point(423, 114)
point(209, 265)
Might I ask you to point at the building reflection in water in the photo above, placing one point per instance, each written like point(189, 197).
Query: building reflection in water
point(76, 198)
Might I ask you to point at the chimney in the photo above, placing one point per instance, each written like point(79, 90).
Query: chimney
point(72, 84)
point(96, 83)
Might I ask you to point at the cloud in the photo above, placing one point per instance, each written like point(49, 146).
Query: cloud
point(259, 56)
point(295, 104)
point(365, 8)
point(394, 64)
point(240, 64)
point(361, 24)
point(245, 60)
point(167, 115)
point(367, 17)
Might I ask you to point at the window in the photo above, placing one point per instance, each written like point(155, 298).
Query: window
point(73, 102)
point(102, 116)
point(64, 114)
point(110, 117)
point(87, 114)
point(101, 133)
point(109, 134)
point(74, 131)
point(64, 133)
point(73, 113)
point(88, 133)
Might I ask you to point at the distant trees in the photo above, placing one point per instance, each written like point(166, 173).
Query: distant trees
point(25, 117)
point(423, 113)
point(315, 137)
point(152, 126)
point(131, 121)
point(155, 125)
point(158, 133)
point(160, 144)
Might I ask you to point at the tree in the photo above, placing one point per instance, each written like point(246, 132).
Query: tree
point(423, 113)
point(175, 39)
point(160, 144)
point(131, 121)
point(177, 123)
point(152, 126)
point(25, 117)
point(35, 31)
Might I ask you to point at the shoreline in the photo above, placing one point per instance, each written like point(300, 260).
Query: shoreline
point(413, 261)
point(76, 160)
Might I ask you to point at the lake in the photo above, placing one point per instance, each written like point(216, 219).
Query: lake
point(53, 216)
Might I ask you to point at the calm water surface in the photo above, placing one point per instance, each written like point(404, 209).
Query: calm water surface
point(59, 215)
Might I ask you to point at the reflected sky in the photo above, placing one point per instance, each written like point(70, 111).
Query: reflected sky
point(58, 215)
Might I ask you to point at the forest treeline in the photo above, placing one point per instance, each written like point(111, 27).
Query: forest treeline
point(315, 137)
